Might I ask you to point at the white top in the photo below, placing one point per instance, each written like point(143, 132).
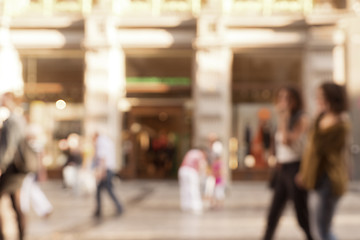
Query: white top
point(285, 153)
point(105, 148)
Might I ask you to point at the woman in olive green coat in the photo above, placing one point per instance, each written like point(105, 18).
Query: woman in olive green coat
point(324, 165)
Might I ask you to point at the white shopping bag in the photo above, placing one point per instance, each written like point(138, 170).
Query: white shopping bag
point(70, 176)
point(87, 181)
point(209, 187)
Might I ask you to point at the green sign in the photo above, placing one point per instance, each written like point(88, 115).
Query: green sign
point(171, 81)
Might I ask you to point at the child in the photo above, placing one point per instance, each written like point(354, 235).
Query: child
point(219, 191)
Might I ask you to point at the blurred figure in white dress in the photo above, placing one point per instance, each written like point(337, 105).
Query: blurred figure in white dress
point(189, 180)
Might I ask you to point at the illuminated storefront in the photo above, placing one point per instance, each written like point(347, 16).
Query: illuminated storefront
point(198, 67)
point(157, 127)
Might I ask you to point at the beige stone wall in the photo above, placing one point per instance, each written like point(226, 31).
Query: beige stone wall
point(318, 63)
point(104, 81)
point(211, 36)
point(353, 87)
point(212, 86)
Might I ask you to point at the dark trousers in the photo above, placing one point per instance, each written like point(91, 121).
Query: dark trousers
point(106, 183)
point(326, 203)
point(20, 217)
point(285, 189)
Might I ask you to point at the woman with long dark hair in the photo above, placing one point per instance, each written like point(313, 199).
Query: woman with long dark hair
point(324, 167)
point(289, 141)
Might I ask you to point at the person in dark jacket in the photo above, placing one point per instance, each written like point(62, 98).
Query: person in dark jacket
point(12, 132)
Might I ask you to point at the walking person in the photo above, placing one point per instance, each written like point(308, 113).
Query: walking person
point(105, 163)
point(213, 153)
point(11, 177)
point(31, 194)
point(219, 188)
point(72, 167)
point(289, 141)
point(189, 181)
point(324, 167)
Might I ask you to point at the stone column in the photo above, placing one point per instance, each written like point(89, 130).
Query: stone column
point(317, 64)
point(104, 80)
point(10, 65)
point(353, 88)
point(331, 58)
point(212, 86)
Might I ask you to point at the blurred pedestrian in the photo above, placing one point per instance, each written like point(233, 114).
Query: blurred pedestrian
point(324, 167)
point(213, 151)
point(189, 181)
point(71, 168)
point(31, 194)
point(12, 133)
point(105, 163)
point(289, 141)
point(73, 151)
point(217, 169)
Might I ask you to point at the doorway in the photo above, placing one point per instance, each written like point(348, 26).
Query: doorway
point(159, 136)
point(157, 128)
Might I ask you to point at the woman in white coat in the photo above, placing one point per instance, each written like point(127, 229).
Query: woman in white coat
point(189, 181)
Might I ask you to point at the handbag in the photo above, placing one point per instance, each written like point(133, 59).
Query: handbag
point(26, 158)
point(273, 178)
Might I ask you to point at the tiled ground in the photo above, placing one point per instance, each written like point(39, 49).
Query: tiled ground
point(152, 212)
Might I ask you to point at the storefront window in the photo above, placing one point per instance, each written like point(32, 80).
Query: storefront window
point(54, 91)
point(256, 78)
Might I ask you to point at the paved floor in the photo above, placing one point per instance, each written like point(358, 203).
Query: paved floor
point(152, 212)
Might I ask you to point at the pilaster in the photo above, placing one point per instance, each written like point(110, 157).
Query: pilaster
point(10, 65)
point(318, 64)
point(212, 86)
point(353, 88)
point(104, 79)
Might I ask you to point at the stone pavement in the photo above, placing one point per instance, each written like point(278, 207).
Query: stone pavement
point(152, 212)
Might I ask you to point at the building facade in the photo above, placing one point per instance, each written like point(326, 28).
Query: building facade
point(161, 76)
